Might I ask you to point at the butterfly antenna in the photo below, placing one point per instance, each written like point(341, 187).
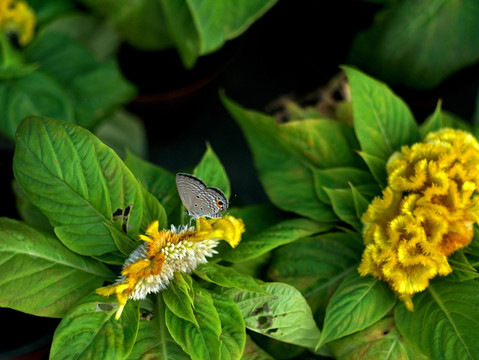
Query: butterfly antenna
point(229, 202)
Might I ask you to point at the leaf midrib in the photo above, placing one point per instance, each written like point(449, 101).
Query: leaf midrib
point(429, 13)
point(87, 202)
point(442, 306)
point(54, 262)
point(379, 122)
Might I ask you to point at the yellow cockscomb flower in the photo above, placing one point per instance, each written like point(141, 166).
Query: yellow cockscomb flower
point(426, 212)
point(152, 265)
point(17, 17)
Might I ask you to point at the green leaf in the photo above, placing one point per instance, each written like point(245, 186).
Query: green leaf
point(52, 50)
point(11, 57)
point(99, 92)
point(152, 210)
point(89, 330)
point(295, 111)
point(35, 93)
point(122, 242)
point(15, 70)
point(69, 84)
point(123, 132)
point(181, 29)
point(254, 267)
point(227, 277)
point(29, 212)
point(341, 178)
point(114, 258)
point(461, 268)
point(12, 62)
point(80, 184)
point(212, 172)
point(409, 42)
point(343, 206)
point(284, 315)
point(382, 121)
point(40, 276)
point(256, 217)
point(377, 166)
point(201, 27)
point(203, 341)
point(433, 122)
point(361, 203)
point(357, 303)
point(279, 234)
point(445, 320)
point(178, 298)
point(159, 182)
point(321, 143)
point(141, 23)
point(379, 341)
point(313, 263)
point(316, 265)
point(286, 178)
point(153, 340)
point(349, 204)
point(254, 352)
point(233, 332)
point(96, 89)
point(440, 119)
point(92, 32)
point(472, 250)
point(46, 10)
point(282, 350)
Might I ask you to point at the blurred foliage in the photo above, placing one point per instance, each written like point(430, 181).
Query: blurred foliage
point(419, 43)
point(193, 27)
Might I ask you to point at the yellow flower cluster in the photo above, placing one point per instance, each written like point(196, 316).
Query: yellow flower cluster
point(426, 212)
point(17, 17)
point(152, 265)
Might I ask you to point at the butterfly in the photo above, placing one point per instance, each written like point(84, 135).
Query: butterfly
point(199, 199)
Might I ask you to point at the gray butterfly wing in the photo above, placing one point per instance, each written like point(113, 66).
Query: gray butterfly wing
point(212, 202)
point(198, 199)
point(189, 187)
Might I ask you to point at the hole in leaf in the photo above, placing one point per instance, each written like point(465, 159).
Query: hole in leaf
point(126, 213)
point(265, 322)
point(146, 316)
point(116, 214)
point(123, 216)
point(271, 331)
point(262, 308)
